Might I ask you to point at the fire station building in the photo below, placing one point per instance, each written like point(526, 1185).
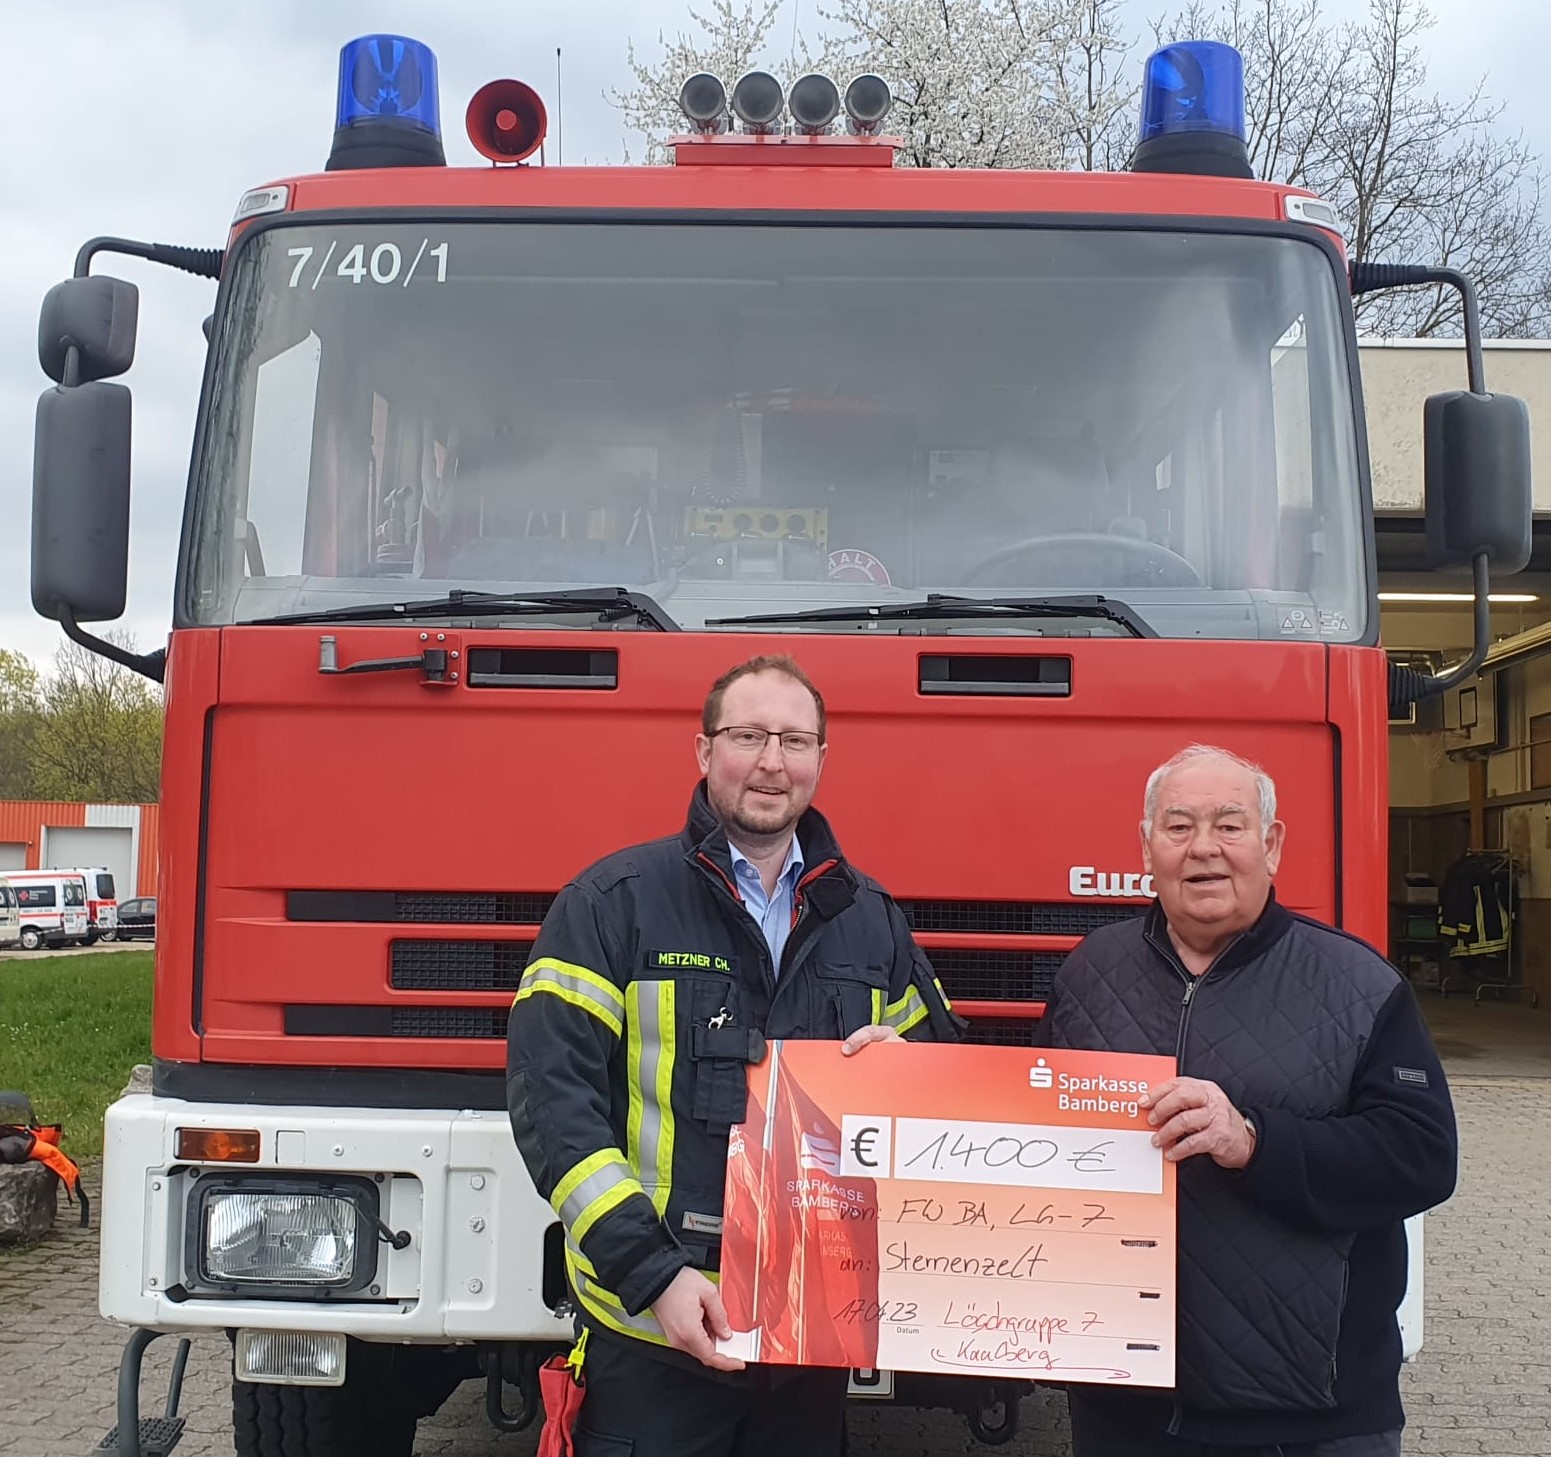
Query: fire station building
point(42, 835)
point(1470, 772)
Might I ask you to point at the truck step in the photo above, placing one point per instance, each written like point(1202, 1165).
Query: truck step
point(158, 1436)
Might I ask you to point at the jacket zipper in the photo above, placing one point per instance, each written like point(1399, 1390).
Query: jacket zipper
point(1177, 1415)
point(744, 919)
point(799, 914)
point(1346, 1281)
point(1191, 983)
point(800, 910)
point(799, 918)
point(794, 941)
point(1184, 1024)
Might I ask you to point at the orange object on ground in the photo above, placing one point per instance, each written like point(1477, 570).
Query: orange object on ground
point(41, 1144)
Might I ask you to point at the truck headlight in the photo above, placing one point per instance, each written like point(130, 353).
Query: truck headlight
point(284, 1235)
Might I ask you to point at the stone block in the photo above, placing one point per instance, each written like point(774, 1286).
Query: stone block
point(15, 1107)
point(29, 1199)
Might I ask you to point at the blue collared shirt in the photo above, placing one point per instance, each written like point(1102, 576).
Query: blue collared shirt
point(773, 913)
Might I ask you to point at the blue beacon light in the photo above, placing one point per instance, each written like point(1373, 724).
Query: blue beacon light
point(389, 113)
point(1193, 111)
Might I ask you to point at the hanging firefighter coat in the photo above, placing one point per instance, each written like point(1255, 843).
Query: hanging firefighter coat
point(1473, 905)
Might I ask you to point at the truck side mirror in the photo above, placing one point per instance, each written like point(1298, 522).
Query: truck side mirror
point(80, 502)
point(1477, 480)
point(98, 316)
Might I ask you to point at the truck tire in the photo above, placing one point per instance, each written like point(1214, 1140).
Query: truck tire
point(358, 1419)
point(32, 938)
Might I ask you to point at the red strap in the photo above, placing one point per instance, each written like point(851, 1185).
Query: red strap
point(562, 1394)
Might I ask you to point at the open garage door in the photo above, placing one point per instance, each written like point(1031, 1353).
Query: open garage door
point(1470, 826)
point(68, 846)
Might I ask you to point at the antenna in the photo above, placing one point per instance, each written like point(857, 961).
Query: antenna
point(559, 116)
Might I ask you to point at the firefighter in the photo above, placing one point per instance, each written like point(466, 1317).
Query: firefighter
point(656, 979)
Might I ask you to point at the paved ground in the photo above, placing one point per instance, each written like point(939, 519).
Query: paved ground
point(17, 954)
point(1481, 1386)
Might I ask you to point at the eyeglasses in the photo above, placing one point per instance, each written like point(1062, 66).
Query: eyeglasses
point(746, 739)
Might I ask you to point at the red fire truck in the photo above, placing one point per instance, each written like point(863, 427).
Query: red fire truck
point(1041, 476)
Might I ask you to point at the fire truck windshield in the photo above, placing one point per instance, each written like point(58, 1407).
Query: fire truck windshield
point(743, 418)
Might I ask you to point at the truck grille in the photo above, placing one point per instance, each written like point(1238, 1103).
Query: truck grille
point(458, 966)
point(968, 974)
point(1003, 1031)
point(497, 966)
point(475, 908)
point(1015, 918)
point(528, 908)
point(448, 1022)
point(359, 1021)
point(505, 909)
point(489, 1023)
point(996, 976)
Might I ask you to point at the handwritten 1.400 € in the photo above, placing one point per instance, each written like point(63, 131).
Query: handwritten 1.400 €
point(997, 1210)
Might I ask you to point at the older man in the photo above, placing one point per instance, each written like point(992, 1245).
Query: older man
point(1309, 1119)
point(657, 976)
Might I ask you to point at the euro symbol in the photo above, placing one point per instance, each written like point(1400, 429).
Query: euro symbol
point(864, 1135)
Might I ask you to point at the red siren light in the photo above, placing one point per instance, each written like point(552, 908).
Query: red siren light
point(506, 121)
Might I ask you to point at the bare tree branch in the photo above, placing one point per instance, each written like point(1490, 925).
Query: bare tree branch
point(1348, 111)
point(733, 39)
point(977, 83)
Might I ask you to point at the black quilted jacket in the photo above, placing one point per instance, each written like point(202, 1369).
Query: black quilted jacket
point(1290, 1270)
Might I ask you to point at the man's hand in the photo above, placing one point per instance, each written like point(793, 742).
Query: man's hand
point(692, 1316)
point(1193, 1116)
point(863, 1035)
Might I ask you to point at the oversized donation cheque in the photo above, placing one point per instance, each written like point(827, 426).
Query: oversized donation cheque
point(927, 1207)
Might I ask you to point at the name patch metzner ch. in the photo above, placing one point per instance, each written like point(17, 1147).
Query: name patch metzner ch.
point(687, 960)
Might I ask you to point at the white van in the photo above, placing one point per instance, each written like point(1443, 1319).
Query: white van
point(101, 901)
point(10, 920)
point(51, 907)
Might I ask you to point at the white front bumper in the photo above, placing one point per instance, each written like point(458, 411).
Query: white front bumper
point(473, 1267)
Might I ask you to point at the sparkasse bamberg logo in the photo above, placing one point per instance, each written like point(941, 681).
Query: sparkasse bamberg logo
point(1040, 1076)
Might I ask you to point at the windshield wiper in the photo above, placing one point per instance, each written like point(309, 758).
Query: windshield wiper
point(938, 604)
point(610, 603)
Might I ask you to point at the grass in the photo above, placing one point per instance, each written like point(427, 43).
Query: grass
point(71, 1027)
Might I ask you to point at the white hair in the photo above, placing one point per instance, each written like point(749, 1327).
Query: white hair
point(1265, 786)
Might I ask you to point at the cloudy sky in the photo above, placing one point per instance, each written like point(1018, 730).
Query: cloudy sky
point(149, 120)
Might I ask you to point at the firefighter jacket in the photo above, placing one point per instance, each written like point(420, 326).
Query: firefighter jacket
point(1473, 905)
point(649, 991)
